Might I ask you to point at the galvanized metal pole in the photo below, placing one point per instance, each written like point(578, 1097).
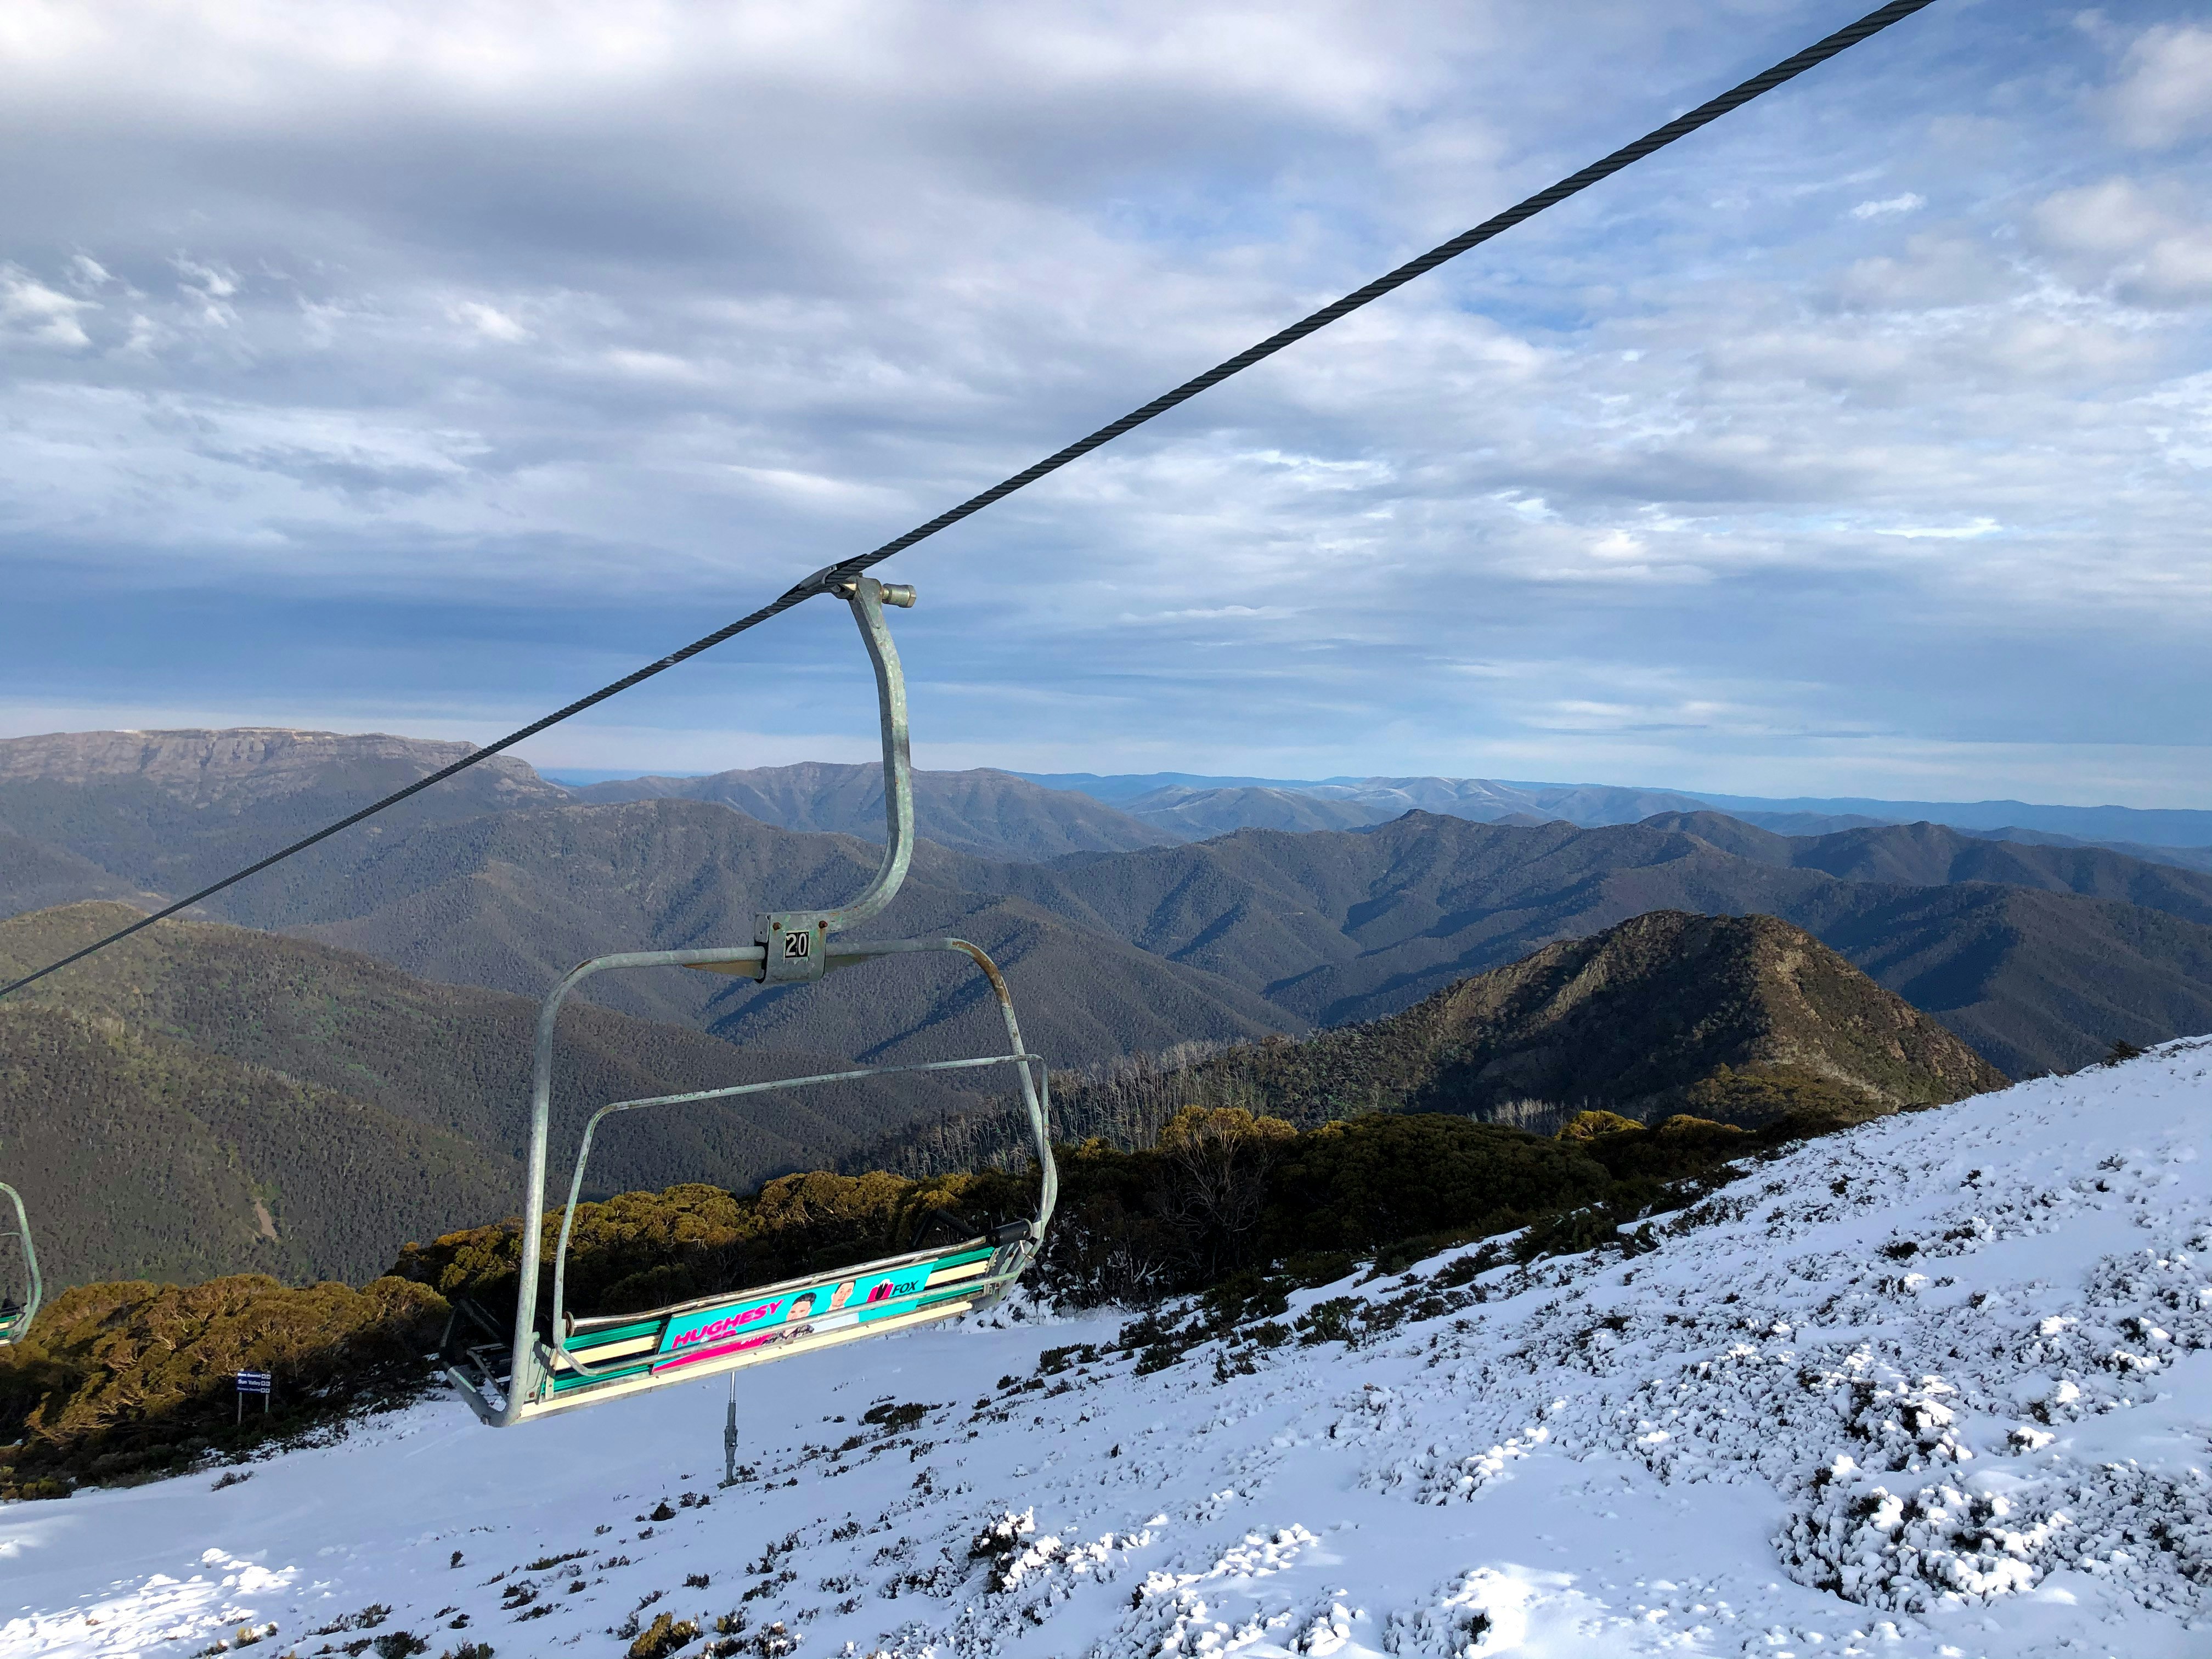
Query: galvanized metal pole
point(730, 1438)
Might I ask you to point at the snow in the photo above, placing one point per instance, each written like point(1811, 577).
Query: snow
point(1941, 1386)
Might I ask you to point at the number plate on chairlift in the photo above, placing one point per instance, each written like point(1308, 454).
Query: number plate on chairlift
point(796, 942)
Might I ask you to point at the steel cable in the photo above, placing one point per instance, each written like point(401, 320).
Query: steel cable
point(1658, 138)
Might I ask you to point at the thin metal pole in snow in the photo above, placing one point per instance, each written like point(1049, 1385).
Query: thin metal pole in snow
point(730, 1438)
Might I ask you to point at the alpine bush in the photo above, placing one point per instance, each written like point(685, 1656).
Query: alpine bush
point(121, 1383)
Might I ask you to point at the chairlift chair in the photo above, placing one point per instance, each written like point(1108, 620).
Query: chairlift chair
point(576, 1361)
point(15, 1316)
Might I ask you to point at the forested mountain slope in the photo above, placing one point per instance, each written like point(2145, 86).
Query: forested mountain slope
point(1930, 855)
point(514, 901)
point(143, 1156)
point(1637, 1018)
point(168, 811)
point(1198, 814)
point(1742, 1020)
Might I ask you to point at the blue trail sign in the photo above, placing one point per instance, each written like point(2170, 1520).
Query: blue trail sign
point(260, 1383)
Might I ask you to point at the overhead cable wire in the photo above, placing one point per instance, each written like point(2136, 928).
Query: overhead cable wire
point(845, 570)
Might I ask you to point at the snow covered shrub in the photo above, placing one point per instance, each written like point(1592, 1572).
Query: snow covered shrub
point(247, 1635)
point(1000, 1541)
point(367, 1619)
point(1454, 1627)
point(893, 1418)
point(1333, 1321)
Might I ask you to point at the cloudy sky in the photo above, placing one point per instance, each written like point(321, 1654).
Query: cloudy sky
point(414, 367)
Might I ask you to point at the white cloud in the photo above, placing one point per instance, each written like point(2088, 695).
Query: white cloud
point(657, 308)
point(1967, 533)
point(1936, 270)
point(33, 311)
point(210, 280)
point(2164, 93)
point(209, 288)
point(2144, 239)
point(490, 322)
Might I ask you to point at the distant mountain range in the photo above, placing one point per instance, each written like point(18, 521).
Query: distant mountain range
point(1038, 817)
point(2035, 955)
point(1184, 799)
point(2040, 956)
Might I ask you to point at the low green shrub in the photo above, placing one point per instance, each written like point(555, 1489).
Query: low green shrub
point(1765, 1095)
point(640, 1251)
point(1367, 1181)
point(663, 1636)
point(123, 1382)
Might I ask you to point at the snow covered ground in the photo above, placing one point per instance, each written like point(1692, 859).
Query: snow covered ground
point(1941, 1386)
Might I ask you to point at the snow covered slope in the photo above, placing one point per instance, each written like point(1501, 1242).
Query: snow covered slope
point(1941, 1386)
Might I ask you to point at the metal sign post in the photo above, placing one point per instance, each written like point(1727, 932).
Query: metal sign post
point(247, 1382)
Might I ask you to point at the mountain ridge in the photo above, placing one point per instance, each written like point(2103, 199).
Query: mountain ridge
point(2139, 831)
point(983, 810)
point(1336, 927)
point(1744, 1020)
point(1131, 950)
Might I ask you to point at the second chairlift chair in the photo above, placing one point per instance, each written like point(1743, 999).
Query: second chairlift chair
point(573, 1361)
point(15, 1316)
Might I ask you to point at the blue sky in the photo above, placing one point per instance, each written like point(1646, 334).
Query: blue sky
point(414, 367)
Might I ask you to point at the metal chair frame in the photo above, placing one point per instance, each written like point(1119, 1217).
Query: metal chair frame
point(14, 1324)
point(547, 1374)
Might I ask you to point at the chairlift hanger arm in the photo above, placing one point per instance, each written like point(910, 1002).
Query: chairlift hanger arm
point(868, 597)
point(797, 941)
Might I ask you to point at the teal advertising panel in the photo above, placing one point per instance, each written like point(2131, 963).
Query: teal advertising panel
point(790, 1316)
